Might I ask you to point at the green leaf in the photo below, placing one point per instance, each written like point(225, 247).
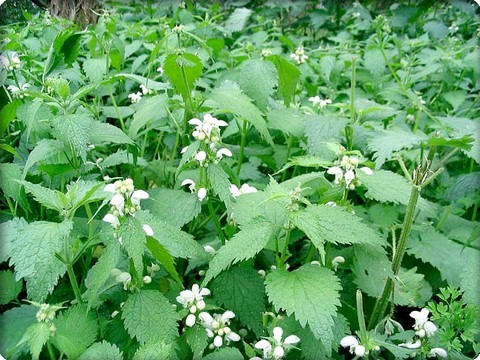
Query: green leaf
point(64, 49)
point(290, 121)
point(35, 337)
point(164, 257)
point(33, 255)
point(323, 223)
point(220, 183)
point(465, 186)
point(76, 331)
point(149, 110)
point(8, 113)
point(95, 69)
point(105, 133)
point(464, 127)
point(183, 70)
point(177, 242)
point(133, 239)
point(100, 272)
point(327, 63)
point(49, 198)
point(229, 97)
point(103, 350)
point(241, 290)
point(311, 293)
point(13, 323)
point(447, 256)
point(238, 19)
point(248, 242)
point(150, 317)
point(35, 115)
point(45, 149)
point(8, 232)
point(197, 339)
point(229, 353)
point(156, 350)
point(470, 282)
point(288, 76)
point(74, 131)
point(455, 98)
point(10, 287)
point(374, 62)
point(321, 132)
point(464, 143)
point(151, 84)
point(258, 79)
point(175, 207)
point(385, 143)
point(309, 161)
point(82, 192)
point(9, 174)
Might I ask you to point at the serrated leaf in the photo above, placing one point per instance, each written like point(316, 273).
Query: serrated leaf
point(464, 127)
point(177, 242)
point(105, 133)
point(238, 19)
point(46, 148)
point(64, 49)
point(156, 350)
point(133, 240)
point(197, 339)
point(465, 186)
point(464, 142)
point(374, 62)
point(187, 156)
point(7, 114)
point(102, 350)
point(82, 192)
point(10, 287)
point(309, 161)
point(164, 257)
point(35, 337)
point(470, 282)
point(323, 223)
point(220, 183)
point(176, 207)
point(321, 131)
point(288, 76)
point(245, 244)
point(327, 63)
point(8, 232)
point(76, 331)
point(447, 256)
point(258, 79)
point(149, 110)
point(33, 255)
point(311, 293)
point(34, 116)
point(229, 97)
point(183, 70)
point(229, 353)
point(241, 290)
point(385, 143)
point(95, 69)
point(290, 121)
point(13, 323)
point(74, 131)
point(9, 174)
point(150, 317)
point(100, 272)
point(49, 198)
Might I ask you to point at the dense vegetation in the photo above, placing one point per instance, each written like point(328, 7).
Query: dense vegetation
point(241, 180)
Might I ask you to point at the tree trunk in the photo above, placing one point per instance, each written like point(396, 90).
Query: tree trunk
point(80, 11)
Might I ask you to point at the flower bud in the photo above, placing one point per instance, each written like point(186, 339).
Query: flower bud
point(147, 279)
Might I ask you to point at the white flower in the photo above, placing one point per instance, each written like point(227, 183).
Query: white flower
point(201, 156)
point(148, 229)
point(160, 70)
point(135, 97)
point(349, 176)
point(224, 152)
point(184, 150)
point(190, 183)
point(144, 89)
point(118, 201)
point(410, 345)
point(17, 91)
point(147, 279)
point(265, 346)
point(319, 102)
point(244, 189)
point(112, 219)
point(138, 195)
point(201, 193)
point(354, 347)
point(209, 249)
point(208, 129)
point(299, 55)
point(336, 261)
point(218, 327)
point(193, 300)
point(422, 325)
point(191, 319)
point(437, 352)
point(366, 170)
point(124, 277)
point(266, 52)
point(277, 343)
point(337, 171)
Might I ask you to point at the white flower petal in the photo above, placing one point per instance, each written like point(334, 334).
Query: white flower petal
point(349, 176)
point(438, 352)
point(263, 345)
point(277, 334)
point(201, 156)
point(349, 341)
point(110, 188)
point(148, 229)
point(233, 336)
point(202, 193)
point(234, 190)
point(218, 341)
point(227, 315)
point(190, 321)
point(195, 121)
point(139, 195)
point(366, 170)
point(291, 340)
point(410, 345)
point(224, 152)
point(278, 352)
point(360, 350)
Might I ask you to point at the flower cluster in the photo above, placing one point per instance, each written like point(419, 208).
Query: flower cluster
point(10, 61)
point(207, 131)
point(357, 348)
point(346, 170)
point(136, 97)
point(299, 55)
point(46, 313)
point(244, 189)
point(275, 347)
point(424, 329)
point(318, 102)
point(193, 301)
point(17, 91)
point(217, 327)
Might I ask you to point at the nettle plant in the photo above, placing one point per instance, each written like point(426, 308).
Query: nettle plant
point(241, 181)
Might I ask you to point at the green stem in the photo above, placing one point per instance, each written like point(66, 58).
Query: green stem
point(51, 352)
point(352, 91)
point(382, 301)
point(361, 316)
point(73, 281)
point(283, 257)
point(243, 142)
point(311, 253)
point(218, 226)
